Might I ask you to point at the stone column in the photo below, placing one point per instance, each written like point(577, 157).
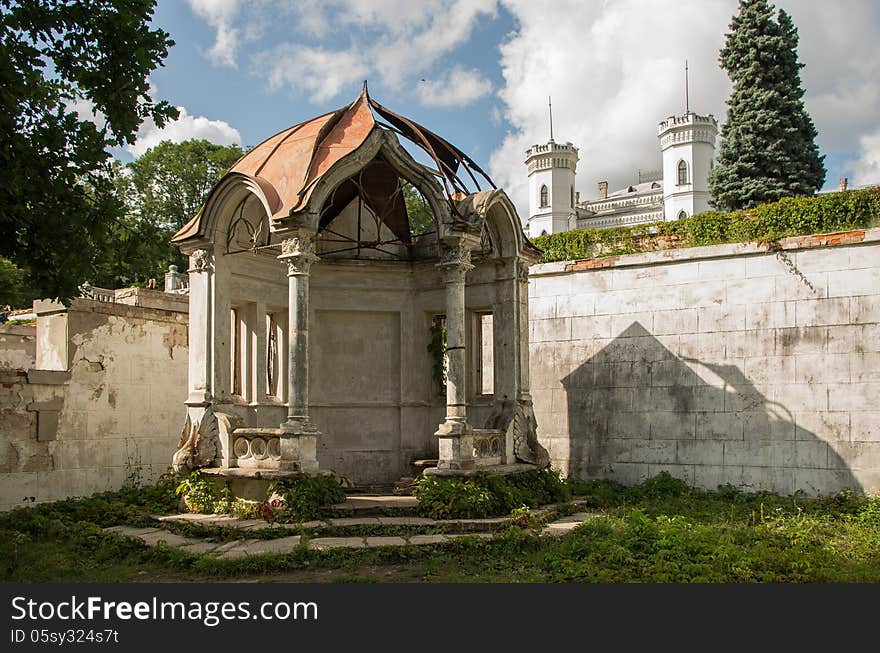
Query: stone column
point(299, 438)
point(201, 291)
point(456, 439)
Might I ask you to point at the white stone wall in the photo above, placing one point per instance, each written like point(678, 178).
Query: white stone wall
point(724, 364)
point(112, 413)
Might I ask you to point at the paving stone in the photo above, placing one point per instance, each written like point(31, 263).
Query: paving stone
point(406, 521)
point(419, 540)
point(373, 542)
point(371, 502)
point(171, 539)
point(475, 522)
point(355, 521)
point(264, 547)
point(200, 546)
point(229, 546)
point(186, 517)
point(567, 524)
point(322, 543)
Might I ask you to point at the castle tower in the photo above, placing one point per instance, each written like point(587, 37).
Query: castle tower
point(552, 169)
point(688, 146)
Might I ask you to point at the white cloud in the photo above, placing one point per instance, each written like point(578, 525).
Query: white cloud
point(320, 73)
point(866, 170)
point(182, 129)
point(220, 14)
point(616, 69)
point(458, 88)
point(394, 40)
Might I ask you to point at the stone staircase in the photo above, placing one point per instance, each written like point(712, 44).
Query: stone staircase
point(360, 522)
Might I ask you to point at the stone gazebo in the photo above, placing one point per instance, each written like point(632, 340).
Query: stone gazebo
point(314, 300)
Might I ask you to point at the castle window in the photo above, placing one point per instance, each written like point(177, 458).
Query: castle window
point(543, 196)
point(682, 215)
point(572, 197)
point(682, 173)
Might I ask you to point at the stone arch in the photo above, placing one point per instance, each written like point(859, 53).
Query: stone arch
point(384, 144)
point(234, 189)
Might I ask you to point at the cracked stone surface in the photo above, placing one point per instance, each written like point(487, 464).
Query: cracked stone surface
point(322, 543)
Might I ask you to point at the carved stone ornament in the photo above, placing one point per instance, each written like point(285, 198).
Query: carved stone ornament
point(457, 253)
point(299, 254)
point(198, 443)
point(522, 271)
point(517, 420)
point(199, 260)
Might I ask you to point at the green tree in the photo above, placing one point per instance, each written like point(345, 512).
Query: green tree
point(161, 191)
point(171, 181)
point(768, 148)
point(12, 284)
point(58, 199)
point(421, 218)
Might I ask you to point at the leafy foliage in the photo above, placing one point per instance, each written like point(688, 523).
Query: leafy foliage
point(421, 218)
point(488, 495)
point(768, 148)
point(305, 498)
point(791, 216)
point(12, 284)
point(73, 82)
point(437, 349)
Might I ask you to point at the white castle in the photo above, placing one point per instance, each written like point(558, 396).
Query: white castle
point(679, 190)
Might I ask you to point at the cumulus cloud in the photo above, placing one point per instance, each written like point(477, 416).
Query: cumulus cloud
point(616, 69)
point(319, 72)
point(220, 14)
point(182, 129)
point(866, 170)
point(459, 87)
point(397, 41)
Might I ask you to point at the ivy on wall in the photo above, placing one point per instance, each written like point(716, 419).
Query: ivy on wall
point(792, 216)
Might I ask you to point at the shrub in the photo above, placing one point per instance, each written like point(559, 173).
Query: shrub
point(791, 216)
point(301, 499)
point(487, 495)
point(199, 494)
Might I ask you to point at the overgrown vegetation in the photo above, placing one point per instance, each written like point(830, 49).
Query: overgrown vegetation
point(793, 216)
point(488, 495)
point(289, 500)
point(659, 531)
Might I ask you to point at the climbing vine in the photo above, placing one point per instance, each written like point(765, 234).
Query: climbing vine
point(437, 349)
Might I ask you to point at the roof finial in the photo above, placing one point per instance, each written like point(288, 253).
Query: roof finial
point(687, 99)
point(550, 104)
point(365, 90)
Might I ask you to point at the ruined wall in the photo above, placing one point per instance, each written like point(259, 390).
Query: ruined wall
point(723, 364)
point(17, 346)
point(108, 413)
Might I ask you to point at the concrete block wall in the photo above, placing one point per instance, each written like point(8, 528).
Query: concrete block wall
point(724, 364)
point(109, 413)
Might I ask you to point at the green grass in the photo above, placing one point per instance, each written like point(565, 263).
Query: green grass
point(660, 531)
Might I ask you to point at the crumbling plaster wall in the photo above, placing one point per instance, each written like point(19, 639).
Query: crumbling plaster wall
point(107, 414)
point(17, 346)
point(724, 364)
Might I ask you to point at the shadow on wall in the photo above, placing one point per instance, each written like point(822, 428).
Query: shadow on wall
point(636, 409)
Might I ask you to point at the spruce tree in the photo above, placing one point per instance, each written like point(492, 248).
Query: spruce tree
point(768, 148)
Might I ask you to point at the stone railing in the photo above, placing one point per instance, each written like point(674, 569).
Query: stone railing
point(488, 446)
point(256, 447)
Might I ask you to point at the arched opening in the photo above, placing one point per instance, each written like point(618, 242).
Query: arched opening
point(682, 173)
point(571, 199)
point(544, 194)
point(682, 215)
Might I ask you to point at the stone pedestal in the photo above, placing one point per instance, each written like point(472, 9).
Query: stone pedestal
point(299, 439)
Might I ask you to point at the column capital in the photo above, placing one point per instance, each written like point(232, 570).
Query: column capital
point(299, 253)
point(199, 261)
point(456, 253)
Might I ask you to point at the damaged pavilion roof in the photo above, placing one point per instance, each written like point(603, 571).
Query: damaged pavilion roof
point(288, 165)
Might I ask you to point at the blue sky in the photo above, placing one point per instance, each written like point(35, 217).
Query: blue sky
point(479, 73)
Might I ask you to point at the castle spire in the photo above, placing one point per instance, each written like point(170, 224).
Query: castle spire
point(550, 104)
point(687, 99)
